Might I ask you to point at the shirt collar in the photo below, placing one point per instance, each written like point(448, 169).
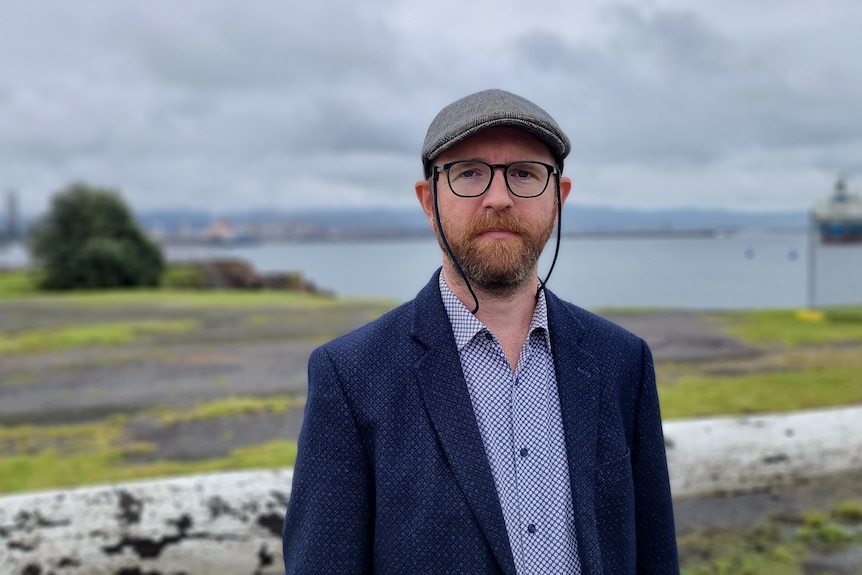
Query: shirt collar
point(466, 325)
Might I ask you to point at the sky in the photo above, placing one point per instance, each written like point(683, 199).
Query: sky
point(249, 105)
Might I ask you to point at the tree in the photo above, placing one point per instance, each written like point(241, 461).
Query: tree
point(90, 240)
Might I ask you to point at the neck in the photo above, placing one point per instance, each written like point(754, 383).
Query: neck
point(509, 311)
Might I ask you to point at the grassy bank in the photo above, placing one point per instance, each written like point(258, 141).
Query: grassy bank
point(56, 456)
point(800, 360)
point(66, 336)
point(18, 283)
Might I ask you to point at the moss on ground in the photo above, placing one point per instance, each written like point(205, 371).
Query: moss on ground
point(43, 457)
point(777, 547)
point(804, 360)
point(64, 337)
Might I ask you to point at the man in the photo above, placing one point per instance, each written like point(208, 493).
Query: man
point(486, 426)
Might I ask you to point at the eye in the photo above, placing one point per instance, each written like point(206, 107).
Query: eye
point(526, 172)
point(468, 171)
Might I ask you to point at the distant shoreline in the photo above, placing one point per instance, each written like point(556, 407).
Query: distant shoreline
point(409, 235)
point(337, 235)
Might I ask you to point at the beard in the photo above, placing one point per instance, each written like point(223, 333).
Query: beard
point(499, 266)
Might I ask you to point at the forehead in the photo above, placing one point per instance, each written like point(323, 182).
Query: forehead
point(498, 144)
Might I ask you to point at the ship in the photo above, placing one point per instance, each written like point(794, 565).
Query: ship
point(839, 218)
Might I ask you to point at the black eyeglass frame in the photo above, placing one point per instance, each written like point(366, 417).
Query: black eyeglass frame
point(552, 171)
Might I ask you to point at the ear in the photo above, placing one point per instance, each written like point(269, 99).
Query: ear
point(565, 188)
point(425, 195)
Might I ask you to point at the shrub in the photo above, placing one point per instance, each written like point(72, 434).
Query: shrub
point(90, 240)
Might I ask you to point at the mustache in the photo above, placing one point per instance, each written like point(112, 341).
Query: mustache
point(497, 221)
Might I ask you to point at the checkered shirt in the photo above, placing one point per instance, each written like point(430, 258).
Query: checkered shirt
point(522, 431)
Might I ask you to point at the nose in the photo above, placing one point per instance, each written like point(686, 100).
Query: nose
point(497, 196)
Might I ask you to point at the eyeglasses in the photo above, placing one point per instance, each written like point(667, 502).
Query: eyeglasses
point(472, 178)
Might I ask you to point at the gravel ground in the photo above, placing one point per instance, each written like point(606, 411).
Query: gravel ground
point(263, 351)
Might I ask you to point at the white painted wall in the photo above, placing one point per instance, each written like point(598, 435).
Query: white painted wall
point(743, 453)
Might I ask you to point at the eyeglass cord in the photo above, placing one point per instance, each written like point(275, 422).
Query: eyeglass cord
point(458, 264)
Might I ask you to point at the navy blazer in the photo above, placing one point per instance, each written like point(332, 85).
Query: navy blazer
point(391, 474)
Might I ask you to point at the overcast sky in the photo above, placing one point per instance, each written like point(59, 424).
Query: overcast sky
point(254, 104)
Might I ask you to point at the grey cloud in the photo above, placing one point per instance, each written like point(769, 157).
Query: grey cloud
point(258, 45)
point(341, 126)
point(297, 81)
point(679, 40)
point(270, 103)
point(669, 87)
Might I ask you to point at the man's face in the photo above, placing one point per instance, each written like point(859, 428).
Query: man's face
point(496, 237)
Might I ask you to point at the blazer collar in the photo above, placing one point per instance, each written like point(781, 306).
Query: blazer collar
point(580, 381)
point(444, 391)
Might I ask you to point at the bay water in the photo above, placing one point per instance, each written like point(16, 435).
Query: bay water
point(735, 271)
point(747, 269)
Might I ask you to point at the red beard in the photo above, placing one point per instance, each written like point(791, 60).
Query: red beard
point(499, 265)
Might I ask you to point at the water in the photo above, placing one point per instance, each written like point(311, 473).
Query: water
point(743, 270)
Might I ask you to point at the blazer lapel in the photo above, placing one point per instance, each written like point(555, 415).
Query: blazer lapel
point(578, 379)
point(444, 391)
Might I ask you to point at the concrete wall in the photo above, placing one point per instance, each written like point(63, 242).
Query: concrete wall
point(226, 524)
point(738, 454)
point(230, 523)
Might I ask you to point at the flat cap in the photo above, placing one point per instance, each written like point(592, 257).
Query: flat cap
point(476, 112)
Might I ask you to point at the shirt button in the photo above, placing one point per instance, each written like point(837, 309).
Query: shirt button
point(525, 452)
point(531, 528)
point(488, 336)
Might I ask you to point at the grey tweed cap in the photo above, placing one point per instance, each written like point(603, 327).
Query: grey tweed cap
point(476, 112)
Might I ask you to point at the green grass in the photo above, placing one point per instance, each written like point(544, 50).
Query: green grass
point(810, 360)
point(178, 276)
point(197, 299)
point(49, 339)
point(50, 457)
point(231, 407)
point(798, 370)
point(794, 328)
point(70, 439)
point(177, 290)
point(765, 550)
point(17, 283)
point(815, 387)
point(776, 547)
point(51, 470)
point(848, 512)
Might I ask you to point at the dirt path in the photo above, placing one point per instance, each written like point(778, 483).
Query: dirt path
point(237, 352)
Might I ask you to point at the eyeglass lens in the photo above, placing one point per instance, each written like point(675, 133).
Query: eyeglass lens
point(525, 179)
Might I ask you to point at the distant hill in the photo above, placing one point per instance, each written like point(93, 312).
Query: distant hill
point(411, 221)
point(592, 218)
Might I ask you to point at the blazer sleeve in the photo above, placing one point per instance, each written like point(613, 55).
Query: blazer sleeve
point(656, 535)
point(329, 523)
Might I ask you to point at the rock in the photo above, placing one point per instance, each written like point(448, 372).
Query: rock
point(230, 274)
point(235, 273)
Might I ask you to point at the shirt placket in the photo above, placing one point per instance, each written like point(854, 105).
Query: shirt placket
point(493, 413)
point(529, 426)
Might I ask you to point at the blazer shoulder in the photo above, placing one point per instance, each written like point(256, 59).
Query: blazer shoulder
point(383, 332)
point(589, 324)
point(392, 334)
